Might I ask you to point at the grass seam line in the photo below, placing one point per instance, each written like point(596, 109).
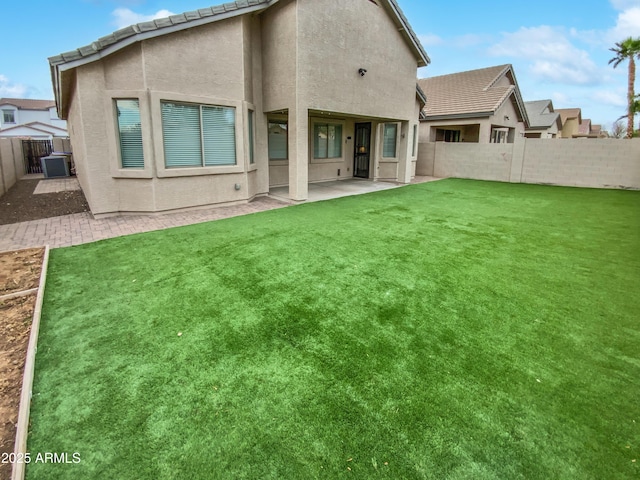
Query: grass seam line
point(18, 471)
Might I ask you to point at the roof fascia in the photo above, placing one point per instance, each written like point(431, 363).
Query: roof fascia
point(408, 32)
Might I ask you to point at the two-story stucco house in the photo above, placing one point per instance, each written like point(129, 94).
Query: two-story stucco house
point(29, 118)
point(215, 106)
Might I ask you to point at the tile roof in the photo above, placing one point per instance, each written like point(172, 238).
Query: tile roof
point(585, 127)
point(536, 116)
point(155, 27)
point(471, 93)
point(566, 113)
point(28, 104)
point(197, 17)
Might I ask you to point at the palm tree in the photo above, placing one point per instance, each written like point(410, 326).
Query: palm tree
point(628, 49)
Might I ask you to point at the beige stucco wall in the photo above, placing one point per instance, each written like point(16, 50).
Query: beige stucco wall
point(337, 38)
point(312, 52)
point(297, 58)
point(182, 67)
point(570, 128)
point(11, 163)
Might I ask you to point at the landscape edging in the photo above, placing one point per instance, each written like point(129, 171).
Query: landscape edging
point(22, 428)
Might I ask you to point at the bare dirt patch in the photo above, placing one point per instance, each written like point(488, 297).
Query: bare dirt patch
point(19, 271)
point(20, 204)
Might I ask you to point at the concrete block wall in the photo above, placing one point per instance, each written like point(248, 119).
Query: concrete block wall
point(597, 163)
point(426, 157)
point(602, 163)
point(11, 163)
point(473, 160)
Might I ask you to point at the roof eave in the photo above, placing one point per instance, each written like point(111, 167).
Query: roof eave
point(457, 116)
point(409, 34)
point(128, 36)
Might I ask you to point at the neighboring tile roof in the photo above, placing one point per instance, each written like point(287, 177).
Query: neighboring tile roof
point(585, 127)
point(566, 113)
point(28, 104)
point(536, 116)
point(467, 94)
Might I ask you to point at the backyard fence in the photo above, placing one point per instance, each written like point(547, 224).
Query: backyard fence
point(15, 162)
point(597, 163)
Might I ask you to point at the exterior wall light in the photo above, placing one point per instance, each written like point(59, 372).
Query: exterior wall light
point(362, 71)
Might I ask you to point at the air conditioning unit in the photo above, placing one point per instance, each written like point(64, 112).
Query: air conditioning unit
point(54, 167)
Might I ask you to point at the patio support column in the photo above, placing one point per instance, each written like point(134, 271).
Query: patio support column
point(485, 132)
point(298, 154)
point(404, 155)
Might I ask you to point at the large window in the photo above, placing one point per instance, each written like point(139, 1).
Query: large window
point(415, 141)
point(130, 133)
point(499, 135)
point(389, 140)
point(278, 140)
point(251, 138)
point(327, 140)
point(8, 116)
point(198, 135)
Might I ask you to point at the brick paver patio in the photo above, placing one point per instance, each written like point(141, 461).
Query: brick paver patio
point(82, 228)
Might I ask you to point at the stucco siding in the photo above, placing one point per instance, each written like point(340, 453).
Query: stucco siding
point(335, 40)
point(204, 61)
point(279, 55)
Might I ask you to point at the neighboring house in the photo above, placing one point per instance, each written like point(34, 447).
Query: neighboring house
point(571, 118)
point(215, 106)
point(544, 121)
point(481, 106)
point(36, 119)
point(574, 126)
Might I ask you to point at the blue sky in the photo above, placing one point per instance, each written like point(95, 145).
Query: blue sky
point(559, 50)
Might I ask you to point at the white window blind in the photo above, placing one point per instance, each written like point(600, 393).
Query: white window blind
point(198, 135)
point(130, 133)
point(389, 140)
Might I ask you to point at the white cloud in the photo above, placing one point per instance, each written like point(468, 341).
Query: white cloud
point(123, 17)
point(430, 39)
point(612, 98)
point(627, 25)
point(553, 57)
point(624, 4)
point(561, 100)
point(11, 90)
point(471, 40)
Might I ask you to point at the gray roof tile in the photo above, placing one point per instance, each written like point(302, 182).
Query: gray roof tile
point(536, 116)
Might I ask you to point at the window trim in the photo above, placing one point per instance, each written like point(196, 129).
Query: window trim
point(312, 128)
point(251, 137)
point(414, 145)
point(13, 112)
point(113, 137)
point(278, 119)
point(203, 134)
point(395, 143)
point(119, 136)
point(155, 99)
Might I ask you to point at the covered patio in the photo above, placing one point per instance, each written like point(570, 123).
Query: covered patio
point(343, 188)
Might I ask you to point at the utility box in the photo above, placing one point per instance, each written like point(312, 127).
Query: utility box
point(54, 167)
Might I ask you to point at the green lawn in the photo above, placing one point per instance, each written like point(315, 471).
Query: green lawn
point(450, 330)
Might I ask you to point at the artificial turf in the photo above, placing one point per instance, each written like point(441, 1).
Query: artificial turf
point(451, 330)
